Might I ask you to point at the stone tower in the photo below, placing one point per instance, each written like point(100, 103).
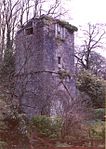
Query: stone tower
point(44, 64)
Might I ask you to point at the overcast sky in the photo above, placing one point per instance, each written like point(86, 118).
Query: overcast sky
point(84, 11)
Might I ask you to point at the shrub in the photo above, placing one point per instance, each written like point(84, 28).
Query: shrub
point(99, 114)
point(93, 86)
point(47, 126)
point(97, 129)
point(14, 131)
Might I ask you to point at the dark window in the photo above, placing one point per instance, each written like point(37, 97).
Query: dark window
point(29, 31)
point(59, 60)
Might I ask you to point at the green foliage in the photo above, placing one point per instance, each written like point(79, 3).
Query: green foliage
point(63, 23)
point(99, 114)
point(14, 129)
point(93, 86)
point(97, 130)
point(47, 126)
point(63, 74)
point(68, 26)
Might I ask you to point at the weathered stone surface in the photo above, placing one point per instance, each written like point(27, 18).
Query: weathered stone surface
point(41, 52)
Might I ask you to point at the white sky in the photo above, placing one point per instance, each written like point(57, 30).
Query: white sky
point(84, 11)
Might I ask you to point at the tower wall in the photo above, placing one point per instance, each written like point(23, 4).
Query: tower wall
point(44, 48)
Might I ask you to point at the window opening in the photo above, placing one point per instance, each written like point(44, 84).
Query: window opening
point(59, 60)
point(29, 31)
point(59, 31)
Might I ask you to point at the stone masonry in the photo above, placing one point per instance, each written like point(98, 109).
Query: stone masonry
point(44, 65)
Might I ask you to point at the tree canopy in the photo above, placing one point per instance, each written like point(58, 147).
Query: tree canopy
point(93, 86)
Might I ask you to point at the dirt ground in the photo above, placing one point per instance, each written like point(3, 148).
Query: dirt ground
point(46, 144)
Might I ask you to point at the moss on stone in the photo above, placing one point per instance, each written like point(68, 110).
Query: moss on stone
point(68, 25)
point(65, 24)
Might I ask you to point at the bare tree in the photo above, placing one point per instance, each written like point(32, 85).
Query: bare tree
point(9, 19)
point(25, 7)
point(98, 64)
point(15, 13)
point(93, 39)
point(52, 8)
